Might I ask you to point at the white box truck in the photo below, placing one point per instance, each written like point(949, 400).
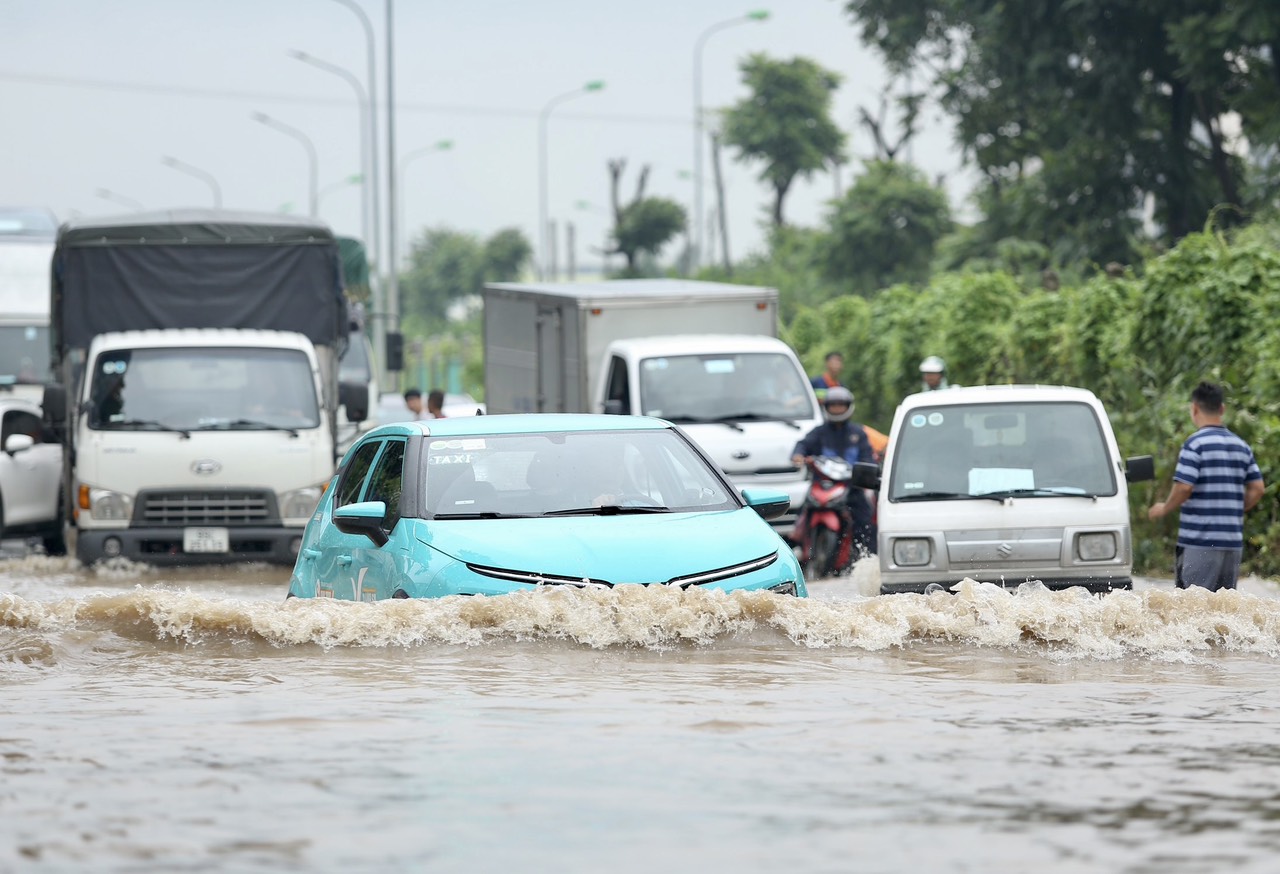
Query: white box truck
point(1004, 484)
point(703, 355)
point(26, 258)
point(197, 395)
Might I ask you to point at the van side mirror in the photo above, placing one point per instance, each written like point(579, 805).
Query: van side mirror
point(354, 396)
point(866, 474)
point(18, 443)
point(1140, 468)
point(362, 518)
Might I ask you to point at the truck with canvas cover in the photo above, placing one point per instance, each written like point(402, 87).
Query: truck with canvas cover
point(703, 355)
point(197, 394)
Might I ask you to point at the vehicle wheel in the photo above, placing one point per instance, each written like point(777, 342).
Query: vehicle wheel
point(824, 551)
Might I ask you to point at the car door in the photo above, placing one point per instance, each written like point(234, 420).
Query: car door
point(377, 568)
point(28, 478)
point(330, 553)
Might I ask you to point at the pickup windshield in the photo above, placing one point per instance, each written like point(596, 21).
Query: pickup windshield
point(205, 389)
point(1032, 450)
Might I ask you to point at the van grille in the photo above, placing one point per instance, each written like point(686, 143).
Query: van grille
point(217, 507)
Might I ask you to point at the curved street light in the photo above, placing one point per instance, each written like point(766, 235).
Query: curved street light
point(203, 176)
point(353, 179)
point(289, 130)
point(758, 15)
point(543, 255)
point(362, 101)
point(108, 194)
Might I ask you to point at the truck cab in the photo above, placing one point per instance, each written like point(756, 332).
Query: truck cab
point(744, 399)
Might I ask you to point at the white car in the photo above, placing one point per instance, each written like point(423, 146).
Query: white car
point(30, 476)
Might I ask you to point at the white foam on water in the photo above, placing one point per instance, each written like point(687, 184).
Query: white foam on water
point(1165, 624)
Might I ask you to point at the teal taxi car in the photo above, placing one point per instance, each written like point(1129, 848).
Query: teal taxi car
point(489, 505)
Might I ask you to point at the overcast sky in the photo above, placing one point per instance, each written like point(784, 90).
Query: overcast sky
point(95, 93)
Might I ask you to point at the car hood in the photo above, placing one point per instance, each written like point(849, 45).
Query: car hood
point(619, 549)
point(759, 447)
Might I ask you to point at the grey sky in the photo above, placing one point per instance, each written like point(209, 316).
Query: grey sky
point(95, 93)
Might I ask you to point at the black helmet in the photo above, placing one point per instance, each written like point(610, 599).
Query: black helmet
point(838, 396)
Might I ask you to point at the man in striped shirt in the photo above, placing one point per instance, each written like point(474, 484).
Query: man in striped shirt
point(1216, 482)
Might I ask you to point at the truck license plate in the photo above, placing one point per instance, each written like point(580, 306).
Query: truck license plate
point(205, 540)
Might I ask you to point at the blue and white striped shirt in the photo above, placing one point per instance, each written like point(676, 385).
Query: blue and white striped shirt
point(1216, 464)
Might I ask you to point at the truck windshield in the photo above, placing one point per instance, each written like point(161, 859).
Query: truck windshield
point(1029, 450)
point(202, 389)
point(24, 354)
point(724, 387)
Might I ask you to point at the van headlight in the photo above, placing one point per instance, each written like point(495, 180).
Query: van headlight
point(109, 506)
point(300, 503)
point(1099, 546)
point(912, 551)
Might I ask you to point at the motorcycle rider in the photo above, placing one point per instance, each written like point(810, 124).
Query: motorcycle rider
point(933, 373)
point(841, 438)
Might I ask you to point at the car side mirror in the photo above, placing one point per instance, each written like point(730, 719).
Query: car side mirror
point(18, 443)
point(354, 397)
point(362, 518)
point(768, 503)
point(866, 474)
point(1140, 468)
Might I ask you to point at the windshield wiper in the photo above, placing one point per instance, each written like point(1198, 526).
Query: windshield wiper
point(262, 426)
point(700, 420)
point(948, 496)
point(150, 425)
point(758, 417)
point(1022, 493)
point(488, 514)
point(608, 510)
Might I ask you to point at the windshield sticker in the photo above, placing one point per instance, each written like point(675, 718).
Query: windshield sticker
point(472, 444)
point(1000, 479)
point(935, 419)
point(917, 421)
point(114, 366)
point(654, 364)
point(459, 458)
point(719, 365)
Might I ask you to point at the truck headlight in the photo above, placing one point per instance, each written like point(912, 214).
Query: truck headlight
point(300, 503)
point(911, 551)
point(1099, 546)
point(109, 506)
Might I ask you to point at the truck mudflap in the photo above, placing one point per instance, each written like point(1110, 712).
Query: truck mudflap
point(187, 546)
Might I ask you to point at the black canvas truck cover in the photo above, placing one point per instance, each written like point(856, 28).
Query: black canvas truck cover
point(197, 269)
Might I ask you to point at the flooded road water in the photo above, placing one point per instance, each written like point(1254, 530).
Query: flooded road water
point(159, 720)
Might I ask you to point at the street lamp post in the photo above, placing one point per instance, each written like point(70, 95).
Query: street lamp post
point(375, 209)
point(543, 255)
point(363, 102)
point(353, 179)
point(440, 146)
point(758, 15)
point(203, 176)
point(108, 194)
point(289, 130)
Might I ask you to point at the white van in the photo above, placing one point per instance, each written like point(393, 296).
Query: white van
point(1004, 484)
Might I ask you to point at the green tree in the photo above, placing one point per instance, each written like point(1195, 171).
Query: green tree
point(884, 229)
point(644, 225)
point(785, 121)
point(448, 266)
point(506, 254)
point(1078, 110)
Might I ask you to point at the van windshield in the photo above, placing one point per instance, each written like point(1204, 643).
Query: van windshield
point(716, 387)
point(1033, 449)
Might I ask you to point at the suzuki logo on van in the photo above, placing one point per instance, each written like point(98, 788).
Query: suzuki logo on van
point(205, 466)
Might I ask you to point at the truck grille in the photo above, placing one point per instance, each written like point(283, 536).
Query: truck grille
point(220, 507)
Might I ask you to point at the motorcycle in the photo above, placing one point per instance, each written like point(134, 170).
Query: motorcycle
point(823, 532)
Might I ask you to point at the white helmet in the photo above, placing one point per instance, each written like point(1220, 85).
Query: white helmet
point(838, 395)
point(933, 364)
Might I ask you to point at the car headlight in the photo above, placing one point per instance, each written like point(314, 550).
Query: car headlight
point(1099, 546)
point(911, 551)
point(300, 503)
point(109, 506)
